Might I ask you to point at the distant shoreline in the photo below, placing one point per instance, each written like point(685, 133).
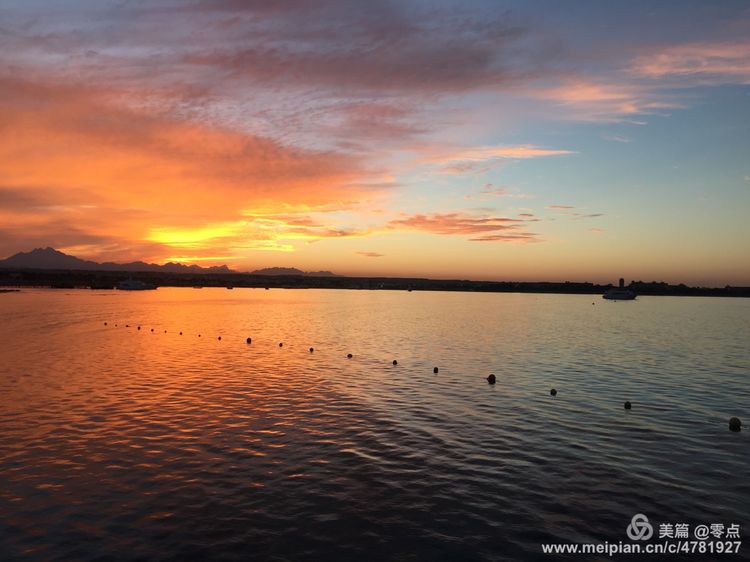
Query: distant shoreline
point(72, 279)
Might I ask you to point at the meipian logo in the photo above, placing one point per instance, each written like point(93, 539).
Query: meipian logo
point(639, 528)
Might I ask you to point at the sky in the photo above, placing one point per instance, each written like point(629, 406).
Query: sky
point(502, 140)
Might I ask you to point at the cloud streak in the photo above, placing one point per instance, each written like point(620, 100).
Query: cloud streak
point(491, 229)
point(370, 254)
point(707, 62)
point(482, 158)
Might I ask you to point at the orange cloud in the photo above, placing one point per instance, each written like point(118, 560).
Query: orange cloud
point(159, 183)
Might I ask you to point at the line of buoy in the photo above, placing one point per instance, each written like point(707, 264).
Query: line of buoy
point(735, 424)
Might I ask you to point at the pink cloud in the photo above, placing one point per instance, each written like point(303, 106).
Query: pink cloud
point(718, 62)
point(587, 99)
point(491, 229)
point(484, 153)
point(455, 223)
point(478, 159)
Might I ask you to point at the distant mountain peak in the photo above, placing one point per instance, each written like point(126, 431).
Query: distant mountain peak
point(291, 271)
point(50, 258)
point(278, 271)
point(48, 250)
point(45, 258)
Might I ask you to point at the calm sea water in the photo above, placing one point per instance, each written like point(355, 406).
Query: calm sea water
point(126, 444)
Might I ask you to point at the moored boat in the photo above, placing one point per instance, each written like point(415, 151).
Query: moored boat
point(619, 293)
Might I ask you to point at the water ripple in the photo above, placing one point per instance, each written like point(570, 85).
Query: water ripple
point(120, 444)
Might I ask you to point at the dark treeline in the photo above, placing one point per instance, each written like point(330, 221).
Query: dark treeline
point(110, 279)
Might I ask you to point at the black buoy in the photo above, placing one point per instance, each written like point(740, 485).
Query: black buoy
point(180, 333)
point(628, 405)
point(165, 331)
point(281, 344)
point(115, 325)
point(105, 323)
point(219, 338)
point(349, 355)
point(311, 350)
point(199, 335)
point(735, 424)
point(152, 329)
point(435, 370)
point(395, 362)
point(249, 340)
point(491, 379)
point(139, 327)
point(127, 325)
point(553, 392)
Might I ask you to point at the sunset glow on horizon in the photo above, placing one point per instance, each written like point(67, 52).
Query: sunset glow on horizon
point(476, 140)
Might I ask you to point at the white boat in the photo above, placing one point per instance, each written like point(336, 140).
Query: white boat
point(619, 293)
point(134, 285)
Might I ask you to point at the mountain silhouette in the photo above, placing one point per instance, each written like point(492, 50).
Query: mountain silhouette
point(291, 271)
point(49, 258)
